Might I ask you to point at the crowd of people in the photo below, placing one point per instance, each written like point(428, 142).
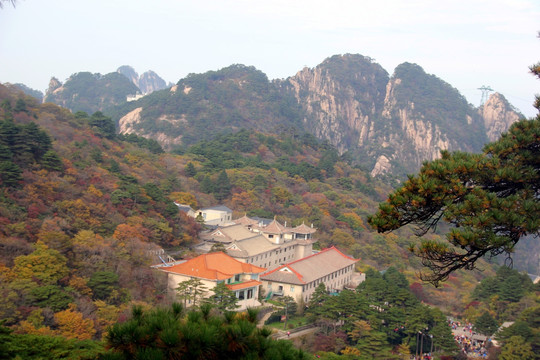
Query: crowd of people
point(471, 344)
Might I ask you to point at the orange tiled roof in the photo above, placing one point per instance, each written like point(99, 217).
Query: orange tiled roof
point(244, 285)
point(214, 266)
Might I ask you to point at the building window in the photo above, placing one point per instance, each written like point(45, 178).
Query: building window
point(249, 294)
point(270, 236)
point(241, 295)
point(292, 288)
point(236, 277)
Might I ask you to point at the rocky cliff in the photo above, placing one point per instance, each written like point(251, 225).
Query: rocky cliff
point(147, 83)
point(498, 115)
point(387, 123)
point(150, 82)
point(394, 123)
point(130, 73)
point(342, 99)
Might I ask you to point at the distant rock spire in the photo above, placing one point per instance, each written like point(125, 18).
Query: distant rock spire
point(54, 84)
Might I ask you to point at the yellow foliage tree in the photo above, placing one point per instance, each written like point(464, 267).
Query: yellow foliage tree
point(184, 198)
point(57, 240)
point(79, 284)
point(125, 233)
point(244, 200)
point(34, 324)
point(403, 351)
point(92, 190)
point(342, 238)
point(88, 239)
point(107, 315)
point(73, 325)
point(361, 328)
point(46, 265)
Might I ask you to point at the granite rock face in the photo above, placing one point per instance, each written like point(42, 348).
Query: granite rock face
point(498, 115)
point(394, 123)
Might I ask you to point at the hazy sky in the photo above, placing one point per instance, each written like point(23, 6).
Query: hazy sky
point(468, 43)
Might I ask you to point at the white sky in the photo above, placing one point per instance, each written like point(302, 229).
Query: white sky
point(468, 43)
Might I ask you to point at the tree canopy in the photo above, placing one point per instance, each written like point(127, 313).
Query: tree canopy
point(490, 199)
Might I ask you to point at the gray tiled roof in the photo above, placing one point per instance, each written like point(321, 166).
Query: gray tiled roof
point(304, 229)
point(252, 246)
point(235, 232)
point(310, 268)
point(246, 221)
point(184, 208)
point(218, 207)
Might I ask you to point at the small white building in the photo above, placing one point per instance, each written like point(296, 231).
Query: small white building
point(215, 215)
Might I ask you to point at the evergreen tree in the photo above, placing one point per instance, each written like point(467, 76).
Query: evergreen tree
point(10, 174)
point(328, 161)
point(491, 199)
point(166, 334)
point(8, 110)
point(103, 124)
point(207, 186)
point(190, 169)
point(115, 168)
point(10, 135)
point(486, 324)
point(5, 153)
point(191, 291)
point(37, 142)
point(487, 288)
point(517, 349)
point(50, 296)
point(51, 161)
point(319, 295)
point(511, 289)
point(222, 187)
point(222, 298)
point(443, 339)
point(373, 345)
point(102, 283)
point(20, 106)
point(218, 247)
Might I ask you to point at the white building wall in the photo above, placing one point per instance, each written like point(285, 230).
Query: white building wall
point(175, 279)
point(334, 282)
point(272, 259)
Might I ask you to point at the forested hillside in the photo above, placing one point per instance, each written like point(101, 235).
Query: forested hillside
point(84, 210)
point(89, 92)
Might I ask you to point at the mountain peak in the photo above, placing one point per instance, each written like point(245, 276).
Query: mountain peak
point(498, 115)
point(147, 82)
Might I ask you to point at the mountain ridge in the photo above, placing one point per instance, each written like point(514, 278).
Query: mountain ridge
point(389, 123)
